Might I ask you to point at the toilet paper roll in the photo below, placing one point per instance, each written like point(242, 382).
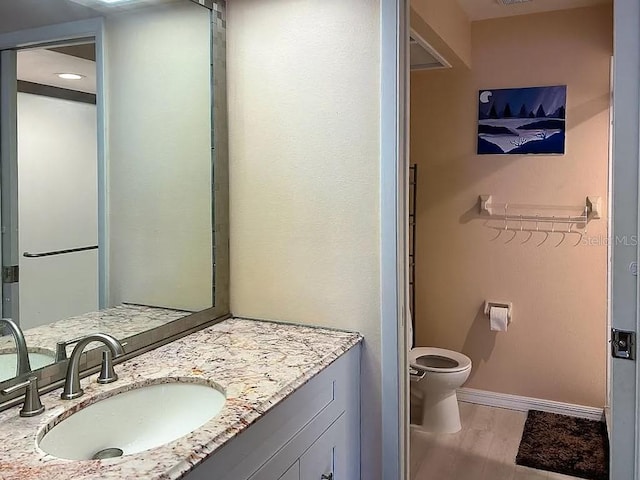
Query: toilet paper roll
point(498, 317)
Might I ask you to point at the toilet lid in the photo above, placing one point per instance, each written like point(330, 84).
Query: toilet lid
point(438, 360)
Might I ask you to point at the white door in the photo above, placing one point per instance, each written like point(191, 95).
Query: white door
point(57, 208)
point(49, 205)
point(625, 298)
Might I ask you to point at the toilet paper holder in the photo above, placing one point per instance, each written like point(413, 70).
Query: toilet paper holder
point(508, 305)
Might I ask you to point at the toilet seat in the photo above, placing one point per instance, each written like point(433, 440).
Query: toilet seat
point(440, 358)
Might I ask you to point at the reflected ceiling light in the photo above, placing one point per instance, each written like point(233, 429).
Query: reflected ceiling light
point(70, 76)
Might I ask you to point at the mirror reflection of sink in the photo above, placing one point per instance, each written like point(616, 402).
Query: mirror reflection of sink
point(133, 421)
point(9, 360)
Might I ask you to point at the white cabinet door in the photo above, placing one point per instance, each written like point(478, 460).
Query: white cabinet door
point(293, 473)
point(326, 458)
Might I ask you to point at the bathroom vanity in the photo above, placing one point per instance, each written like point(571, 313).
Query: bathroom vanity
point(291, 410)
point(287, 397)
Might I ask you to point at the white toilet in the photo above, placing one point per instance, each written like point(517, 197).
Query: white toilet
point(444, 371)
point(436, 373)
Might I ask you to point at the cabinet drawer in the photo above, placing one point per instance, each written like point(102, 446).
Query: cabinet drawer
point(293, 473)
point(326, 458)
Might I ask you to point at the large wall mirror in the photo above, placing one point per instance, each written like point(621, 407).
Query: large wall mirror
point(114, 165)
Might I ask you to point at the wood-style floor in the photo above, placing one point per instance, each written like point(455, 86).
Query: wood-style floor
point(485, 449)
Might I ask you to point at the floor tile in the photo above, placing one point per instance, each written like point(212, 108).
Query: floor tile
point(485, 449)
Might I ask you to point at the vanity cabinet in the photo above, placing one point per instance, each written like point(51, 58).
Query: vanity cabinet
point(314, 432)
point(325, 457)
point(293, 473)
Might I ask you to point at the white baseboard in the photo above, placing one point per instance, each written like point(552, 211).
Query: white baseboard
point(523, 404)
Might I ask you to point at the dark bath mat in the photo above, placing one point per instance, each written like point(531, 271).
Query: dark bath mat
point(567, 445)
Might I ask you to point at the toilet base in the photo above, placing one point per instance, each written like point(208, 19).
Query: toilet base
point(440, 412)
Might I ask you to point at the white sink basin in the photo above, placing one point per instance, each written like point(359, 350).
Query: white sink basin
point(8, 362)
point(134, 421)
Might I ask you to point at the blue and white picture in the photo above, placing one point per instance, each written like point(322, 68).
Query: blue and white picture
point(518, 121)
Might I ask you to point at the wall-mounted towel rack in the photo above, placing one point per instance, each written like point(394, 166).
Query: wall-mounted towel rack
point(59, 252)
point(543, 216)
point(550, 221)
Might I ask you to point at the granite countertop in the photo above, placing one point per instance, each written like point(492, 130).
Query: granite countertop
point(258, 364)
point(121, 322)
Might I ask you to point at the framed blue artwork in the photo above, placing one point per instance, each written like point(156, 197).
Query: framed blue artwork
point(518, 121)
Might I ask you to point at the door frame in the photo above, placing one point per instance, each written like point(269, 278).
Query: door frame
point(93, 27)
point(625, 294)
point(625, 245)
point(9, 175)
point(394, 171)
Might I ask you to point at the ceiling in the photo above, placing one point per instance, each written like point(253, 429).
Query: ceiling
point(42, 66)
point(485, 9)
point(20, 14)
point(84, 50)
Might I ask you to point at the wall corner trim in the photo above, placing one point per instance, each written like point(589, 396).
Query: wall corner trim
point(523, 404)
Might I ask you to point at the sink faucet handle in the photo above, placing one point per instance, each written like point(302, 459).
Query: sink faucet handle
point(32, 404)
point(61, 348)
point(107, 373)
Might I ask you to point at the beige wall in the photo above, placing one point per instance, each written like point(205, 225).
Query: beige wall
point(555, 349)
point(304, 94)
point(445, 26)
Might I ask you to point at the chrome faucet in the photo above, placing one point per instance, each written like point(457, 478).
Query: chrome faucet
point(72, 383)
point(21, 346)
